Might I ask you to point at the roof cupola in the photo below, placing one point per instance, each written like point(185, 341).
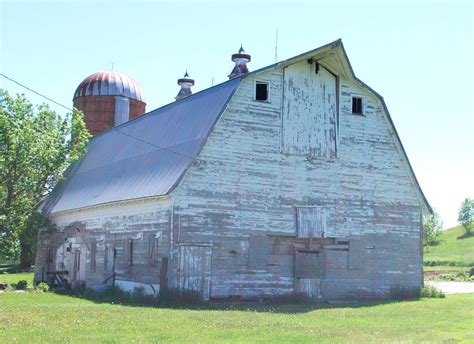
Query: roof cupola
point(241, 59)
point(185, 82)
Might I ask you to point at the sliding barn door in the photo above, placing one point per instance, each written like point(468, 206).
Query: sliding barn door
point(195, 268)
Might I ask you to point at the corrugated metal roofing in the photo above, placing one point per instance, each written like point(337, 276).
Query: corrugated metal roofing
point(109, 83)
point(143, 157)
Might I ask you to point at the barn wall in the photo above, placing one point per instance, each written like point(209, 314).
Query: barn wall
point(243, 184)
point(309, 111)
point(137, 231)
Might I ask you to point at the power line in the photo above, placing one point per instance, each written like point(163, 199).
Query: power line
point(121, 132)
point(31, 90)
point(152, 144)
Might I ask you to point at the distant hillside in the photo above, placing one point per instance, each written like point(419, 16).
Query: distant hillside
point(453, 249)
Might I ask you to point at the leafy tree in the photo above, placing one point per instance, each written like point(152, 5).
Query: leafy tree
point(36, 146)
point(432, 225)
point(466, 215)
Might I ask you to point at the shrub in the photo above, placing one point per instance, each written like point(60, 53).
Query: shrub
point(21, 285)
point(460, 277)
point(466, 215)
point(114, 294)
point(42, 287)
point(446, 263)
point(138, 296)
point(432, 292)
point(432, 225)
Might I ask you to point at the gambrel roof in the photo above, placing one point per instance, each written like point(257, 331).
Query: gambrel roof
point(149, 155)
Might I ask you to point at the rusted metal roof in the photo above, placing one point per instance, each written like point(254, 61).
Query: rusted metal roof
point(109, 83)
point(144, 157)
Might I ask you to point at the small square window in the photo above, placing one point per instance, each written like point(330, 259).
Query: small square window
point(261, 91)
point(357, 105)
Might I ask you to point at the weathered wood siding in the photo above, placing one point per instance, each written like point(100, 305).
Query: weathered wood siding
point(309, 111)
point(195, 268)
point(242, 185)
point(292, 194)
point(128, 238)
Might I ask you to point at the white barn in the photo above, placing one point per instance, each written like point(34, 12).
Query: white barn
point(291, 178)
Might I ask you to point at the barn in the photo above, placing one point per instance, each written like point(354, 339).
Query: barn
point(288, 179)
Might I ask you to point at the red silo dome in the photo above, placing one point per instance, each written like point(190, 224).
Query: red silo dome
point(108, 99)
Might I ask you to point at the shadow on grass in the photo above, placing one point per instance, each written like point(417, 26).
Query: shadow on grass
point(465, 236)
point(242, 306)
point(433, 243)
point(13, 268)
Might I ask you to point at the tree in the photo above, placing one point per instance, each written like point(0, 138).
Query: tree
point(432, 225)
point(36, 146)
point(466, 215)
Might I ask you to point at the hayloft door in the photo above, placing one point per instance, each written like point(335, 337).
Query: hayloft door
point(195, 268)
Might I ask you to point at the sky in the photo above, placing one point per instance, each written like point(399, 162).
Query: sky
point(417, 55)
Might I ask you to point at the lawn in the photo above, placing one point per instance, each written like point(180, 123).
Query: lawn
point(454, 249)
point(14, 278)
point(47, 317)
point(444, 268)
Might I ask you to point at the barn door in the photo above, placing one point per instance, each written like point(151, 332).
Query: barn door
point(195, 268)
point(310, 271)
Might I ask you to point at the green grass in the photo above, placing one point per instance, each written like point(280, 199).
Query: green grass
point(14, 278)
point(453, 249)
point(47, 317)
point(446, 268)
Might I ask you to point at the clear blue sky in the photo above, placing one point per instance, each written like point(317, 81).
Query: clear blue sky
point(418, 55)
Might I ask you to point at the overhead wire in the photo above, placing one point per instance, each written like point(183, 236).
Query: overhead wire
point(36, 92)
point(152, 144)
point(121, 132)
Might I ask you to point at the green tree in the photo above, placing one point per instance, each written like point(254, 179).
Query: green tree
point(432, 225)
point(466, 215)
point(36, 146)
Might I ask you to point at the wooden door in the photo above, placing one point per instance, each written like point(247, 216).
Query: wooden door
point(195, 268)
point(310, 271)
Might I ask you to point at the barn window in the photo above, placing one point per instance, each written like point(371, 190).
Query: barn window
point(93, 256)
point(77, 260)
point(49, 255)
point(106, 259)
point(153, 247)
point(261, 91)
point(130, 251)
point(109, 257)
point(357, 105)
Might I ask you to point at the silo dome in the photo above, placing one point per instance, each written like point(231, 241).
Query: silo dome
point(108, 98)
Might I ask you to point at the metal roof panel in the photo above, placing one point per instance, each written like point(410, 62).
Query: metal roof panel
point(144, 157)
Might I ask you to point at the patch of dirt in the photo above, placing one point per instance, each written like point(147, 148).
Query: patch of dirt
point(439, 272)
point(453, 287)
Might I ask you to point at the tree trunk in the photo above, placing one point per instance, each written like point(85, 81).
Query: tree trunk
point(27, 255)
